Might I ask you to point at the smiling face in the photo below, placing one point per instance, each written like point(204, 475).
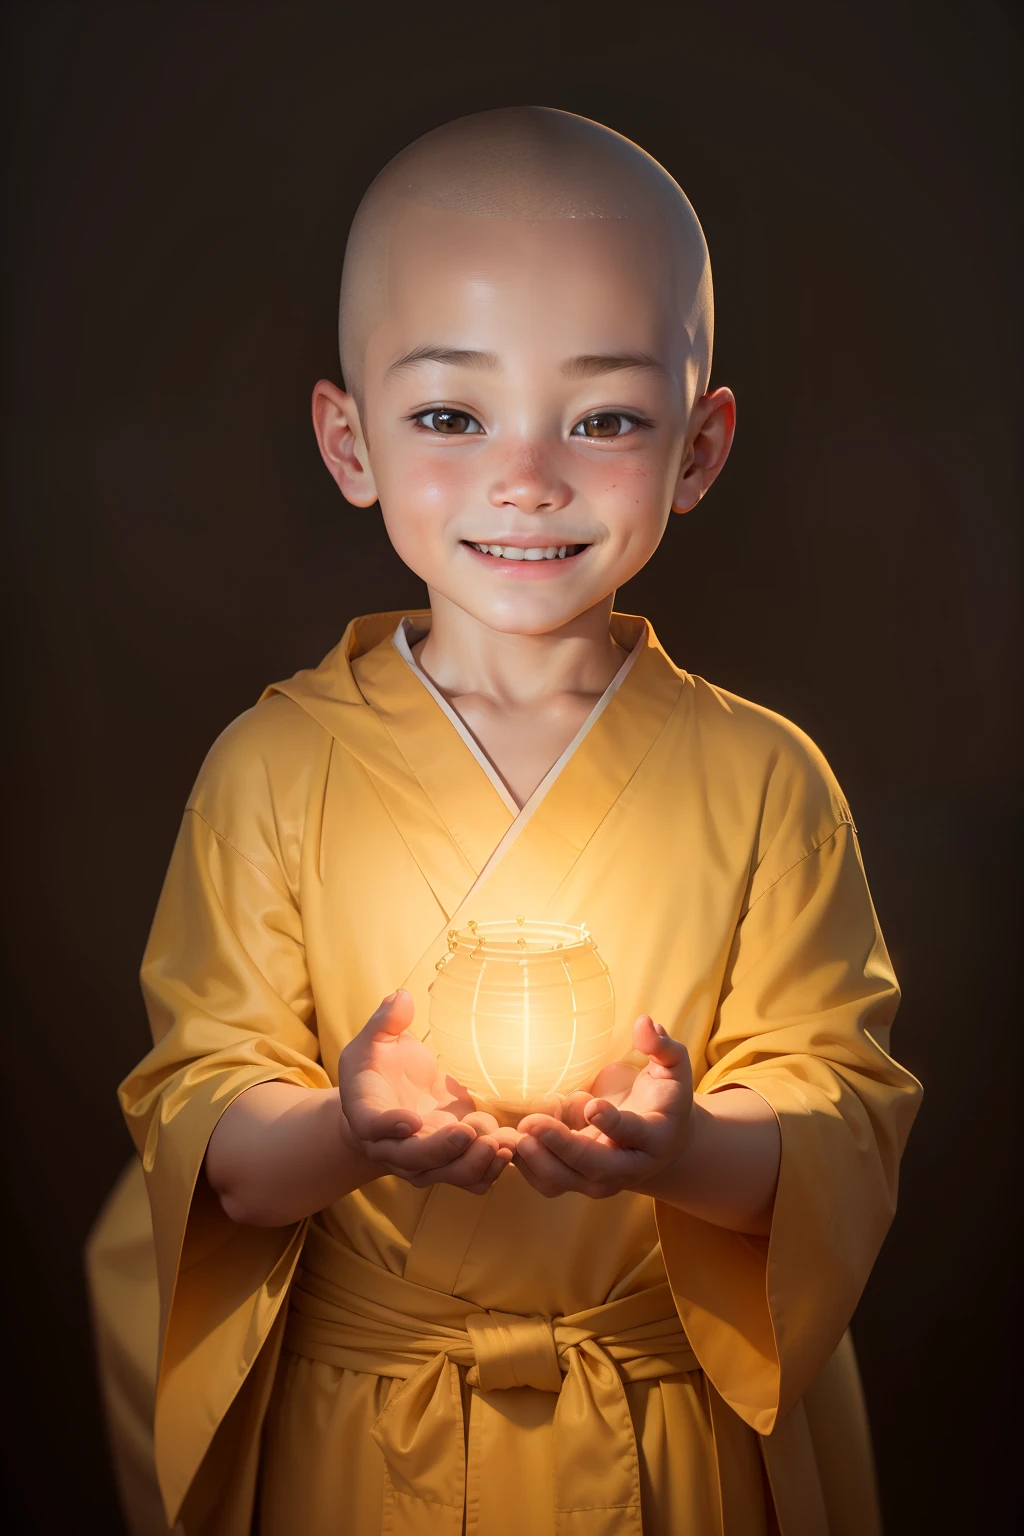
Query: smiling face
point(526, 329)
point(527, 393)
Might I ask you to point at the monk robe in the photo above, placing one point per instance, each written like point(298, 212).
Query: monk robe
point(424, 1362)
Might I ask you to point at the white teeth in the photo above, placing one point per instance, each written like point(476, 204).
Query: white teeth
point(514, 552)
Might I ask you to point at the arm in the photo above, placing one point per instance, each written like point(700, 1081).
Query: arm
point(728, 1171)
point(279, 1153)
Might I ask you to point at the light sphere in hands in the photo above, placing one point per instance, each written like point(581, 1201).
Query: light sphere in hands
point(520, 1010)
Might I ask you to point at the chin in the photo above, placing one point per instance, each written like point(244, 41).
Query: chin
point(523, 618)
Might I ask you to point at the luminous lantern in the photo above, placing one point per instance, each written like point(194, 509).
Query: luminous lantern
point(519, 1010)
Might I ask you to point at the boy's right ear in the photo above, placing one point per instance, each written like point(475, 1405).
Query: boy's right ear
point(339, 433)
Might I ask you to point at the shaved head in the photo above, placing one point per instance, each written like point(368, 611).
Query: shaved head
point(532, 165)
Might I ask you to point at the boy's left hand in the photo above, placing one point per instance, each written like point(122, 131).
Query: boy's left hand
point(615, 1146)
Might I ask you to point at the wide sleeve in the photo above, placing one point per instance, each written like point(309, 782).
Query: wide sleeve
point(804, 1019)
point(230, 1005)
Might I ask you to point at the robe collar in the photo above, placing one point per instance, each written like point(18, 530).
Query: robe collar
point(369, 699)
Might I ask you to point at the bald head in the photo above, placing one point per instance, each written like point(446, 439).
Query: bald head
point(529, 164)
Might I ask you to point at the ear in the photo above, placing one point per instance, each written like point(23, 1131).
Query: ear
point(708, 440)
point(339, 434)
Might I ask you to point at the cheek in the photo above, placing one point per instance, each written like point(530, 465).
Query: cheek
point(425, 487)
point(629, 494)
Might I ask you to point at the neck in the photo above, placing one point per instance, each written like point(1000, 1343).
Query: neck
point(462, 655)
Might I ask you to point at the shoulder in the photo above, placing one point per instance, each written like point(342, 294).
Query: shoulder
point(259, 779)
point(764, 746)
point(779, 774)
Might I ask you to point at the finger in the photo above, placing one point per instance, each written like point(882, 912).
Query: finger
point(483, 1123)
point(420, 1153)
point(391, 1016)
point(622, 1126)
point(466, 1171)
point(499, 1162)
point(655, 1041)
point(370, 1124)
point(552, 1174)
point(385, 1025)
point(572, 1107)
point(507, 1136)
point(590, 1160)
point(535, 1183)
point(536, 1124)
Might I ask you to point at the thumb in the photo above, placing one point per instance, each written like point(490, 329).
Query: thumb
point(393, 1015)
point(669, 1057)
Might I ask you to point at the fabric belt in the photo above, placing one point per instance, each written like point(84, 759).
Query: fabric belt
point(348, 1312)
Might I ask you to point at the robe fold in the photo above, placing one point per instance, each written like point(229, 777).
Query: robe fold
point(429, 1361)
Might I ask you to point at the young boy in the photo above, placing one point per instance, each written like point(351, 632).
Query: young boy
point(379, 1310)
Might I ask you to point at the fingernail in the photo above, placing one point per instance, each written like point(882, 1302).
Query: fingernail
point(550, 1138)
point(403, 1128)
point(460, 1140)
point(389, 999)
point(662, 1031)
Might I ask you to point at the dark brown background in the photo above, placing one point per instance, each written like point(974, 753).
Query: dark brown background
point(181, 180)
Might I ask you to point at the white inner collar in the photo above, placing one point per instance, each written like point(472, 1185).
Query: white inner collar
point(405, 637)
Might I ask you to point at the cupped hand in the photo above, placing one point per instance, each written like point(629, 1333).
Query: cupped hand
point(612, 1083)
point(406, 1116)
point(629, 1129)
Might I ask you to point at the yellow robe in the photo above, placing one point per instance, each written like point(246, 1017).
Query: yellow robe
point(430, 1361)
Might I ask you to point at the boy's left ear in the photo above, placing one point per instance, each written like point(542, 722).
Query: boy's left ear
point(708, 440)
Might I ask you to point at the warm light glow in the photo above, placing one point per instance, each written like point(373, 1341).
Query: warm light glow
point(520, 1010)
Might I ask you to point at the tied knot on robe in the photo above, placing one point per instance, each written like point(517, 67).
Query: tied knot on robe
point(513, 1351)
point(350, 1313)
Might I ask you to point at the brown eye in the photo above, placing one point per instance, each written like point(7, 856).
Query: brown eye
point(605, 424)
point(449, 423)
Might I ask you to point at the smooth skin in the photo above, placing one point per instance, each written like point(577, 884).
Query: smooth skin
point(528, 385)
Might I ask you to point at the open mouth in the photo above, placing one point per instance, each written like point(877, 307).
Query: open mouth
point(538, 552)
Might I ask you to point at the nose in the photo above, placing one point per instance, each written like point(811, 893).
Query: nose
point(530, 483)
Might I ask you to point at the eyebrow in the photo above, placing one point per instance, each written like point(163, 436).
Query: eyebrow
point(454, 357)
point(587, 366)
point(590, 364)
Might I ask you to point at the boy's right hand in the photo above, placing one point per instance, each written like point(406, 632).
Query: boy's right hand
point(407, 1117)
